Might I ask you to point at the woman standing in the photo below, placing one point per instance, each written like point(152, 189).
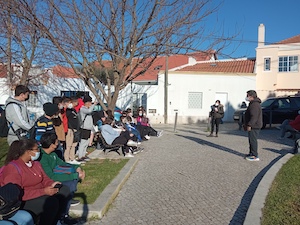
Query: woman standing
point(216, 114)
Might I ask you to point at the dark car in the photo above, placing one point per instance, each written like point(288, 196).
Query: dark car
point(275, 110)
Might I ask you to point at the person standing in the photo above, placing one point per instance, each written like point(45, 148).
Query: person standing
point(17, 114)
point(253, 123)
point(216, 114)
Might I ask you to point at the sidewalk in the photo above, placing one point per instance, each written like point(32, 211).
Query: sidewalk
point(185, 177)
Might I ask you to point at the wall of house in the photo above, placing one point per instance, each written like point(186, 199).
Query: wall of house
point(234, 86)
point(272, 83)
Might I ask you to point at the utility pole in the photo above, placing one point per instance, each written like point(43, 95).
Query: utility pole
point(166, 91)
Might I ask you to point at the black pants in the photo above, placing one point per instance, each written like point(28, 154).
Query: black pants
point(215, 121)
point(252, 137)
point(49, 209)
point(123, 139)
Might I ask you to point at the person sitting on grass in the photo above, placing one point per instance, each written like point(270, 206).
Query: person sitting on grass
point(113, 137)
point(54, 166)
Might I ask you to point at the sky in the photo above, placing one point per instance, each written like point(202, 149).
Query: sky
point(280, 17)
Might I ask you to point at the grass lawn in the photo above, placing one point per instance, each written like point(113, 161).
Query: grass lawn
point(283, 201)
point(99, 173)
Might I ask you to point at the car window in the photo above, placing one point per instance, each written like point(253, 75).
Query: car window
point(267, 103)
point(297, 101)
point(284, 103)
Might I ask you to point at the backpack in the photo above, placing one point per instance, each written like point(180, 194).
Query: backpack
point(4, 124)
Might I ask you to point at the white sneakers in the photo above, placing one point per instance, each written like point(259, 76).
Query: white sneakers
point(74, 162)
point(147, 137)
point(129, 155)
point(132, 143)
point(160, 133)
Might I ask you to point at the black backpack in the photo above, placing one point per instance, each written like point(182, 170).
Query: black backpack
point(4, 125)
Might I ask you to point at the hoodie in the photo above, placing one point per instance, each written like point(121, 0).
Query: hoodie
point(253, 114)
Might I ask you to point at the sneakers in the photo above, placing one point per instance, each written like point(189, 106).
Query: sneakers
point(74, 162)
point(252, 158)
point(74, 202)
point(160, 133)
point(147, 137)
point(129, 155)
point(216, 135)
point(67, 220)
point(132, 143)
point(211, 135)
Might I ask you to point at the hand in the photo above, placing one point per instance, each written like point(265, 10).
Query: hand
point(81, 173)
point(248, 128)
point(50, 190)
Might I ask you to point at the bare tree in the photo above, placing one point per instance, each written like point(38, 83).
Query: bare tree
point(20, 46)
point(122, 36)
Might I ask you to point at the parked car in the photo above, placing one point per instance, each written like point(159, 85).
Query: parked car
point(275, 110)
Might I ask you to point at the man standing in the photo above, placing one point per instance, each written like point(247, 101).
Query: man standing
point(253, 123)
point(17, 114)
point(216, 114)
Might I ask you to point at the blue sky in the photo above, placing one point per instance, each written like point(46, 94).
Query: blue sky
point(280, 17)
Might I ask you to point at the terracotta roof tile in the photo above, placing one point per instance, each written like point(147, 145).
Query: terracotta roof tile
point(232, 66)
point(3, 71)
point(64, 72)
point(295, 39)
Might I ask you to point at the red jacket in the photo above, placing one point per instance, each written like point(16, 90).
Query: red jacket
point(32, 180)
point(295, 123)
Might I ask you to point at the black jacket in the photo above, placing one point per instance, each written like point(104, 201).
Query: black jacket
point(253, 114)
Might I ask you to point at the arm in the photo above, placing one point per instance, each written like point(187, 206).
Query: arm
point(15, 116)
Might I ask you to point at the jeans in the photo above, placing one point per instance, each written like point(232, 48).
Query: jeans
point(252, 137)
point(22, 217)
point(213, 122)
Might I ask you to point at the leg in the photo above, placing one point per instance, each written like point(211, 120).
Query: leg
point(252, 136)
point(217, 122)
point(46, 207)
point(69, 142)
point(22, 217)
point(83, 144)
point(284, 127)
point(212, 125)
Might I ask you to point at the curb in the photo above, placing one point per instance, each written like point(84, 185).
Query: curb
point(254, 213)
point(101, 205)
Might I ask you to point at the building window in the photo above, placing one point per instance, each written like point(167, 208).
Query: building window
point(195, 100)
point(139, 99)
point(267, 65)
point(32, 101)
point(74, 93)
point(288, 64)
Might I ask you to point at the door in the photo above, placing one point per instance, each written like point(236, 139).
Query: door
point(223, 97)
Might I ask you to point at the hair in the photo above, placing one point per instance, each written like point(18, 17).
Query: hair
point(218, 101)
point(252, 93)
point(129, 119)
point(74, 99)
point(47, 139)
point(18, 148)
point(57, 99)
point(21, 89)
point(66, 99)
point(108, 121)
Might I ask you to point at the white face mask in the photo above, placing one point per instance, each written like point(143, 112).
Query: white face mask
point(37, 155)
point(216, 104)
point(70, 106)
point(247, 99)
point(140, 114)
point(60, 106)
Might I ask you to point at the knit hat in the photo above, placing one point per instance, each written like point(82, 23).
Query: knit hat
point(87, 98)
point(50, 109)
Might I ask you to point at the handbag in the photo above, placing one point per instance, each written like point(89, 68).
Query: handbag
point(85, 133)
point(63, 169)
point(10, 200)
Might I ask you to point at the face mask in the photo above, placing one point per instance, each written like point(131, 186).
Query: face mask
point(60, 106)
point(216, 104)
point(299, 112)
point(140, 114)
point(70, 106)
point(247, 99)
point(37, 155)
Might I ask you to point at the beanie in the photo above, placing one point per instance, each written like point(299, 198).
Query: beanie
point(50, 109)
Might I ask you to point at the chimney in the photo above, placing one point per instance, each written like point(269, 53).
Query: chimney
point(261, 35)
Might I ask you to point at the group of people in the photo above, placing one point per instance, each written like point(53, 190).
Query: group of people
point(41, 157)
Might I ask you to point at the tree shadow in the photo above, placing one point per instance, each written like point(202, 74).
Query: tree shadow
point(240, 213)
point(85, 208)
point(213, 145)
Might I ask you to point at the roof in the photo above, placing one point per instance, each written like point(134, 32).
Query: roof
point(3, 71)
point(64, 72)
point(226, 66)
point(174, 61)
point(295, 39)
